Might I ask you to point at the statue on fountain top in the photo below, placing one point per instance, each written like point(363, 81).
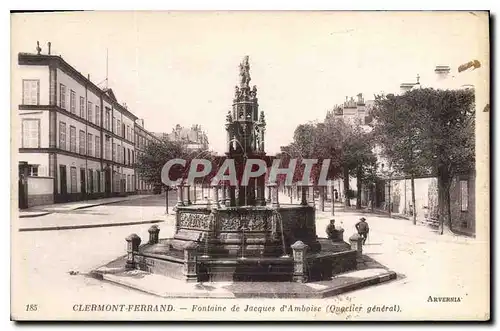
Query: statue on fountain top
point(245, 73)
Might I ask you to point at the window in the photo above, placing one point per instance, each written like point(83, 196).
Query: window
point(72, 139)
point(106, 148)
point(31, 91)
point(133, 182)
point(81, 137)
point(133, 158)
point(89, 142)
point(33, 169)
point(89, 111)
point(118, 127)
point(124, 155)
point(114, 125)
point(97, 146)
point(464, 195)
point(62, 97)
point(128, 155)
point(114, 152)
point(62, 136)
point(72, 174)
point(97, 115)
point(72, 101)
point(82, 107)
point(31, 133)
point(128, 132)
point(123, 130)
point(107, 118)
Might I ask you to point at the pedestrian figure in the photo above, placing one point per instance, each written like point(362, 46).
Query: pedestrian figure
point(334, 233)
point(363, 228)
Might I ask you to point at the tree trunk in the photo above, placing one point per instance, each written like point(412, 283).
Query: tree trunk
point(333, 199)
point(347, 200)
point(373, 197)
point(166, 200)
point(413, 202)
point(322, 198)
point(359, 174)
point(444, 201)
point(389, 200)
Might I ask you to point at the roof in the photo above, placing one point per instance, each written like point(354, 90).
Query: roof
point(58, 61)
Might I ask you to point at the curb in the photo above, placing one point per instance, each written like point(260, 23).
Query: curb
point(46, 212)
point(107, 203)
point(87, 226)
point(42, 213)
point(329, 292)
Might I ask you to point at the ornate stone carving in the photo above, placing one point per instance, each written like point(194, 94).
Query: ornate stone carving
point(194, 221)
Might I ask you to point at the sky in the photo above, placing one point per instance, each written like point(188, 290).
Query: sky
point(181, 67)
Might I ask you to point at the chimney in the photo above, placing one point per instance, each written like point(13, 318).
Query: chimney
point(49, 44)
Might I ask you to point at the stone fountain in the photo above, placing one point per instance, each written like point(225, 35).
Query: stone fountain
point(240, 235)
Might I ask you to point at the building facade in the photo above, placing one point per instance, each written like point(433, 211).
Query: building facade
point(142, 139)
point(71, 131)
point(193, 138)
point(354, 110)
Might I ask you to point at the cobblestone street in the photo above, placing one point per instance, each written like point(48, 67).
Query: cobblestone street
point(427, 264)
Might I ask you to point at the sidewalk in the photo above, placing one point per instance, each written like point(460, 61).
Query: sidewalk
point(63, 207)
point(380, 222)
point(68, 216)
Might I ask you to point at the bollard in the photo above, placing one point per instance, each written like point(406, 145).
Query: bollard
point(215, 198)
point(133, 242)
point(188, 195)
point(356, 242)
point(224, 194)
point(303, 200)
point(274, 194)
point(154, 232)
point(190, 263)
point(299, 262)
point(180, 196)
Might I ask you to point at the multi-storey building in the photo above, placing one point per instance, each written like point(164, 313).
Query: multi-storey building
point(354, 110)
point(142, 138)
point(74, 135)
point(193, 138)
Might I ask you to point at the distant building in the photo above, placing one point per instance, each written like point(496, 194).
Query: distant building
point(354, 109)
point(194, 138)
point(142, 139)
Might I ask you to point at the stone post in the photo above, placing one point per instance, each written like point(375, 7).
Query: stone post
point(180, 195)
point(133, 242)
point(261, 191)
point(190, 264)
point(268, 193)
point(311, 196)
point(303, 200)
point(154, 234)
point(224, 194)
point(356, 242)
point(215, 191)
point(274, 194)
point(299, 262)
point(188, 195)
